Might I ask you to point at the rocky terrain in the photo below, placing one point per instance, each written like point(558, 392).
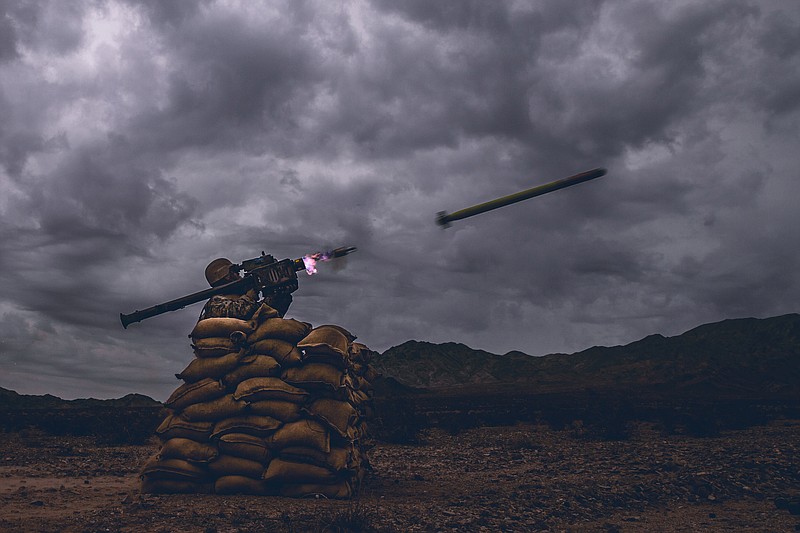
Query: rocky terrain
point(695, 432)
point(513, 478)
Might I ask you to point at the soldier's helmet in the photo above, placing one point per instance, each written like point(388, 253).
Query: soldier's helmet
point(217, 270)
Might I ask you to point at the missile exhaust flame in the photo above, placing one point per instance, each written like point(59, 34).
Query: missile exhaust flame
point(310, 260)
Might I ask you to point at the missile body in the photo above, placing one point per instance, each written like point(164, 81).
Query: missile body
point(444, 219)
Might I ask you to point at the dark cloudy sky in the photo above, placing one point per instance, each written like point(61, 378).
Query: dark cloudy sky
point(140, 140)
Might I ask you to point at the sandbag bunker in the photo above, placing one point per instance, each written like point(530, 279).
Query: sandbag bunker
point(269, 406)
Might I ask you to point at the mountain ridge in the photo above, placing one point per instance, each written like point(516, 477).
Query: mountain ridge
point(10, 399)
point(732, 356)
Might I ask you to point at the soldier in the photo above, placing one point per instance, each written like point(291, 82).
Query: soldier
point(237, 305)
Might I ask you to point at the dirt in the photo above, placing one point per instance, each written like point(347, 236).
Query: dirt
point(515, 478)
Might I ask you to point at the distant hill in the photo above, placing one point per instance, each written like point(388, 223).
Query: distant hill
point(733, 357)
point(12, 400)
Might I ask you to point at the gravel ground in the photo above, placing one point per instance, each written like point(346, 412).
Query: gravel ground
point(518, 478)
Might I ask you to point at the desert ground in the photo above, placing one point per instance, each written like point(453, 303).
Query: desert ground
point(522, 477)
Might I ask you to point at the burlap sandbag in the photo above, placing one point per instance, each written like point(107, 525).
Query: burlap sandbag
point(217, 409)
point(362, 384)
point(370, 374)
point(176, 469)
point(258, 366)
point(243, 485)
point(287, 329)
point(325, 340)
point(343, 394)
point(280, 409)
point(305, 433)
point(271, 388)
point(359, 431)
point(342, 490)
point(359, 396)
point(220, 327)
point(349, 336)
point(245, 446)
point(191, 393)
point(339, 458)
point(188, 450)
point(228, 465)
point(249, 424)
point(359, 353)
point(210, 367)
point(314, 376)
point(172, 486)
point(214, 347)
point(337, 415)
point(174, 427)
point(284, 352)
point(283, 471)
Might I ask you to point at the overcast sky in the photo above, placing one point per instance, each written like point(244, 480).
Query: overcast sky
point(140, 140)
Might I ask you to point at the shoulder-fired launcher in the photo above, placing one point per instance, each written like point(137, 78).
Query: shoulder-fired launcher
point(262, 273)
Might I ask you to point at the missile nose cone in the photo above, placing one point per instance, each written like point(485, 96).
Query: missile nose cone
point(344, 250)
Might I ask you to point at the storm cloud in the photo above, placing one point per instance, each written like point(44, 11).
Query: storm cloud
point(140, 140)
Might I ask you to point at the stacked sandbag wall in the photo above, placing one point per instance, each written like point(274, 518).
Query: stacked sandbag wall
point(268, 406)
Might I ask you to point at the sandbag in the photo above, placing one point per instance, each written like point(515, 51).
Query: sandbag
point(228, 465)
point(191, 393)
point(188, 450)
point(305, 433)
point(287, 329)
point(245, 446)
point(210, 367)
point(370, 374)
point(176, 427)
point(359, 396)
point(271, 388)
point(340, 490)
point(327, 358)
point(257, 366)
point(243, 485)
point(284, 352)
point(337, 415)
point(176, 469)
point(339, 458)
point(220, 327)
point(172, 486)
point(214, 347)
point(344, 394)
point(280, 409)
point(359, 353)
point(358, 431)
point(325, 340)
point(217, 409)
point(314, 376)
point(362, 384)
point(281, 470)
point(249, 424)
point(349, 336)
